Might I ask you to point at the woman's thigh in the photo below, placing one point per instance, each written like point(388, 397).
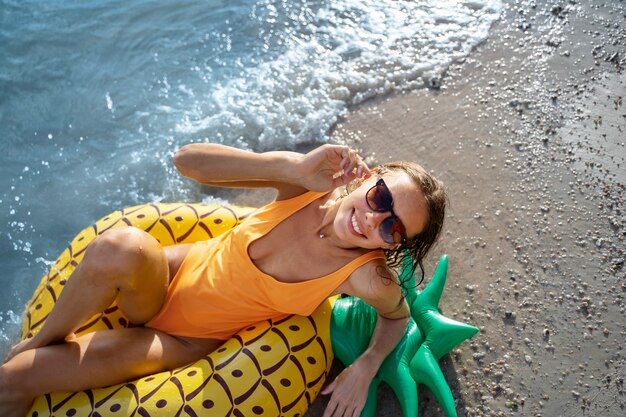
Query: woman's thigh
point(134, 262)
point(103, 358)
point(151, 268)
point(175, 255)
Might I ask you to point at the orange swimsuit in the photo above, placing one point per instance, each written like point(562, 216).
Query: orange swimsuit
point(218, 290)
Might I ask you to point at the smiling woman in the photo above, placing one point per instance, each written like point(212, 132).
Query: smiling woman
point(97, 95)
point(185, 300)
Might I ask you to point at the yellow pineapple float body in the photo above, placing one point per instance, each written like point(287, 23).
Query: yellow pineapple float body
point(272, 368)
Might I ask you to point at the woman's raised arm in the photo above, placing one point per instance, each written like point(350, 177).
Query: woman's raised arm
point(291, 173)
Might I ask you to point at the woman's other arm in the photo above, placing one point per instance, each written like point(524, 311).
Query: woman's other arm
point(350, 388)
point(291, 173)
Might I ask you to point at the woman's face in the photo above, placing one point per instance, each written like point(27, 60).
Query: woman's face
point(357, 225)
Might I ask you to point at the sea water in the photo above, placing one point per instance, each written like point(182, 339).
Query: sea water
point(96, 95)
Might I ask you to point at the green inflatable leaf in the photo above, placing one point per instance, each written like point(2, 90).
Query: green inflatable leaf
point(428, 337)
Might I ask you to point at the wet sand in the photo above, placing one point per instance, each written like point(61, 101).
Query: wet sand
point(528, 133)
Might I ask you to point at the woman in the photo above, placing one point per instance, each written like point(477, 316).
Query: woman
point(313, 241)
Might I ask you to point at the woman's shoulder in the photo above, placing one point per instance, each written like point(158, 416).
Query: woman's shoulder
point(373, 279)
point(377, 284)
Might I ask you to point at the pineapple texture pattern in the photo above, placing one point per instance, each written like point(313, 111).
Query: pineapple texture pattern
point(273, 368)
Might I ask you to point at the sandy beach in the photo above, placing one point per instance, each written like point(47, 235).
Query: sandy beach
point(528, 135)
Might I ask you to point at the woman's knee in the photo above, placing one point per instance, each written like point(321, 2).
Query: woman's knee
point(122, 250)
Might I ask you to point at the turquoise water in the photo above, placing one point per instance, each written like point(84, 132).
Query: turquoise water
point(95, 96)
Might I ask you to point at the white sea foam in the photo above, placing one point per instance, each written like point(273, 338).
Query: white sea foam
point(209, 199)
point(9, 329)
point(352, 50)
point(262, 75)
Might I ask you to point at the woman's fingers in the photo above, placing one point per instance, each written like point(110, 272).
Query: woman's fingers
point(329, 388)
point(362, 170)
point(331, 166)
point(345, 158)
point(336, 408)
point(352, 164)
point(343, 401)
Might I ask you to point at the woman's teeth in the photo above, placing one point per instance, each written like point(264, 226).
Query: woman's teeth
point(355, 225)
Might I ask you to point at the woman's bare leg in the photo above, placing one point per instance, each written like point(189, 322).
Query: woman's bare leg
point(91, 361)
point(124, 263)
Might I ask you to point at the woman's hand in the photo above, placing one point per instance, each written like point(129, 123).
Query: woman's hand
point(329, 167)
point(349, 390)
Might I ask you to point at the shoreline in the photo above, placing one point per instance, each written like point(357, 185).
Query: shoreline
point(527, 133)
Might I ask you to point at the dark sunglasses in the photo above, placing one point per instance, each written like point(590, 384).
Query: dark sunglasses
point(380, 200)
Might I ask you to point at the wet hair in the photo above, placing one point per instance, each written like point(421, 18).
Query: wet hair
point(417, 248)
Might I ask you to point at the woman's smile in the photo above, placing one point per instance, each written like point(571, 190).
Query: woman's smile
point(354, 225)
